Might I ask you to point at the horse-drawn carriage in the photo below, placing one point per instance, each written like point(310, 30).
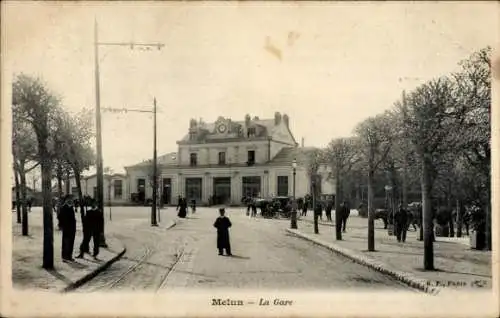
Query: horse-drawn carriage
point(273, 207)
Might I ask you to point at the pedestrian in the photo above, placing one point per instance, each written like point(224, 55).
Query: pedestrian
point(182, 207)
point(318, 210)
point(345, 211)
point(30, 203)
point(328, 210)
point(92, 223)
point(222, 224)
point(193, 205)
point(401, 220)
point(67, 221)
point(304, 207)
point(254, 207)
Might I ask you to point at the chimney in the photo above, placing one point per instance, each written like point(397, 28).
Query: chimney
point(302, 142)
point(247, 120)
point(277, 118)
point(286, 119)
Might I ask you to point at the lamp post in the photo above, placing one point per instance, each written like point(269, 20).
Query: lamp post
point(315, 214)
point(294, 202)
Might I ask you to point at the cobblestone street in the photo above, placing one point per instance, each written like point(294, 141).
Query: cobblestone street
point(265, 256)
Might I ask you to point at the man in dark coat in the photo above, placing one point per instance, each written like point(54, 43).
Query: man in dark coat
point(318, 209)
point(67, 220)
point(345, 211)
point(304, 207)
point(222, 224)
point(92, 224)
point(401, 220)
point(328, 210)
point(253, 205)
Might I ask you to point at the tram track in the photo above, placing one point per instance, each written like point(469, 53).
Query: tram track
point(148, 252)
point(170, 270)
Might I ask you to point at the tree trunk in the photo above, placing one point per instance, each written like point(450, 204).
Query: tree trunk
point(371, 216)
point(24, 205)
point(427, 217)
point(459, 219)
point(59, 187)
point(80, 193)
point(18, 195)
point(48, 225)
point(449, 208)
point(487, 210)
point(338, 198)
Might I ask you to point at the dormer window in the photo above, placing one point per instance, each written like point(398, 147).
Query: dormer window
point(251, 132)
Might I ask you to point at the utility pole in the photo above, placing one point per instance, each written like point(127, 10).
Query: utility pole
point(155, 172)
point(100, 176)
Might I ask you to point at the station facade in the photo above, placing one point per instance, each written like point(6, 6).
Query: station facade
point(221, 162)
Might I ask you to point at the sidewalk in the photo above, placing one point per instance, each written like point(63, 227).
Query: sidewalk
point(27, 252)
point(457, 265)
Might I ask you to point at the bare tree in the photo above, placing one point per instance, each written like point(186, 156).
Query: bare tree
point(314, 161)
point(24, 152)
point(375, 136)
point(428, 120)
point(73, 137)
point(35, 105)
point(341, 154)
point(474, 134)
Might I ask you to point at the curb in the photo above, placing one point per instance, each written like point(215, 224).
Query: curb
point(407, 278)
point(94, 273)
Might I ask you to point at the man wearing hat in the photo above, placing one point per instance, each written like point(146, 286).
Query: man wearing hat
point(222, 224)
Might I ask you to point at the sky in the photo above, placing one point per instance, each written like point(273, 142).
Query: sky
point(327, 65)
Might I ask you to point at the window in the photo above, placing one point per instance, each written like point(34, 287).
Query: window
point(193, 159)
point(74, 190)
point(141, 185)
point(251, 132)
point(282, 186)
point(118, 189)
point(251, 157)
point(95, 192)
point(222, 158)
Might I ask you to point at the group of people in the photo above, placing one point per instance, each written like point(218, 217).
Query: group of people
point(93, 222)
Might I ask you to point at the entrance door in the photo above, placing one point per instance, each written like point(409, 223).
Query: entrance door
point(250, 186)
point(193, 189)
point(141, 190)
point(222, 190)
point(167, 191)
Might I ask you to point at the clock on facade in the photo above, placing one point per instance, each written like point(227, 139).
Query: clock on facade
point(222, 128)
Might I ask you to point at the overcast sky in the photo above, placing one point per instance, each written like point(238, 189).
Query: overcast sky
point(328, 66)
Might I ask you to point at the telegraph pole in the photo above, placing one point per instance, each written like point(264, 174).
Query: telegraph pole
point(155, 172)
point(100, 177)
point(99, 165)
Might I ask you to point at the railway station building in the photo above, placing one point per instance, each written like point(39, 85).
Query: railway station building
point(223, 161)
